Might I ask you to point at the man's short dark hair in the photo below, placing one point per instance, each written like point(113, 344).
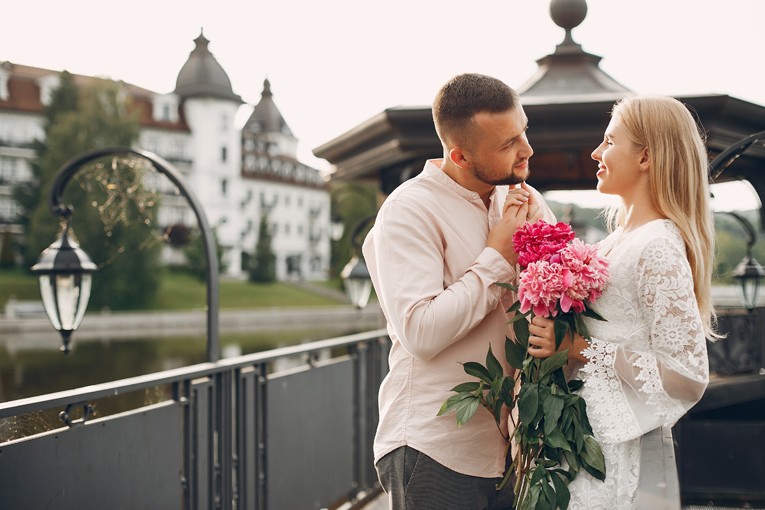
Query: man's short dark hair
point(466, 95)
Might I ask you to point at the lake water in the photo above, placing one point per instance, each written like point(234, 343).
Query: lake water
point(27, 373)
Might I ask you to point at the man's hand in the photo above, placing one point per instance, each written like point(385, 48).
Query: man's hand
point(514, 213)
point(536, 212)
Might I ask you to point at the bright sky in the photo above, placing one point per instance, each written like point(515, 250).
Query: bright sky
point(335, 63)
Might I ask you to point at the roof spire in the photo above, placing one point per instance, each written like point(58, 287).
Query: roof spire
point(568, 14)
point(570, 74)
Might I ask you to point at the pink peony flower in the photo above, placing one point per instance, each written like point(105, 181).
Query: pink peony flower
point(540, 241)
point(541, 285)
point(590, 275)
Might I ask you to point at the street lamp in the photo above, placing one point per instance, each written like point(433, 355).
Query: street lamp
point(749, 273)
point(65, 273)
point(355, 275)
point(65, 270)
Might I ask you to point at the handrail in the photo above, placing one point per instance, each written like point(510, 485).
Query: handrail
point(122, 386)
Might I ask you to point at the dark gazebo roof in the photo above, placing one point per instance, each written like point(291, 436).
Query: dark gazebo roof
point(203, 76)
point(567, 102)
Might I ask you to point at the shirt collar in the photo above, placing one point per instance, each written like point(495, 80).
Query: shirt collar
point(433, 169)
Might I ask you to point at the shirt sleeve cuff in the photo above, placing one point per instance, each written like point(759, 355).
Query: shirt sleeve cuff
point(497, 265)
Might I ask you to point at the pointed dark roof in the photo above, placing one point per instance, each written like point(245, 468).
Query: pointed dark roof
point(570, 74)
point(265, 117)
point(203, 76)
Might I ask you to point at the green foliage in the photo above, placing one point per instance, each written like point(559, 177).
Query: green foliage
point(179, 290)
point(113, 213)
point(553, 435)
point(196, 259)
point(29, 194)
point(7, 257)
point(263, 265)
point(351, 203)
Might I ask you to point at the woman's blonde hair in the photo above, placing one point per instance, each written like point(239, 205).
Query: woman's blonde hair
point(678, 182)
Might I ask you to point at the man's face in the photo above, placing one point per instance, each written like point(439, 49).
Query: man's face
point(500, 152)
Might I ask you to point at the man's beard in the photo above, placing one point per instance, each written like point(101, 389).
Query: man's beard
point(511, 179)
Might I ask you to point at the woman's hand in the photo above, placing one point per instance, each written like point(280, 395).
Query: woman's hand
point(542, 341)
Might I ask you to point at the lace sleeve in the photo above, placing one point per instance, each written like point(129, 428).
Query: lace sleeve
point(654, 386)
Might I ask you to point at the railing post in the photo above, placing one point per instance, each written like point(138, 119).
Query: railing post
point(261, 439)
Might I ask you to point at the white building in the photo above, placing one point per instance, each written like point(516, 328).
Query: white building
point(239, 175)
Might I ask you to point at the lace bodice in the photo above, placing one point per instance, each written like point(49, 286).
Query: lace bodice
point(648, 362)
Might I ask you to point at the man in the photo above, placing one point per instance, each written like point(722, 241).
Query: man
point(440, 242)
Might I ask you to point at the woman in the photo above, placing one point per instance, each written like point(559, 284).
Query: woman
point(647, 364)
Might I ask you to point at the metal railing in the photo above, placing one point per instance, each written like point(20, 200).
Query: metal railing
point(240, 433)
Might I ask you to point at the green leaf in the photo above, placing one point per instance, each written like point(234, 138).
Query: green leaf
point(467, 387)
point(508, 384)
point(497, 411)
point(592, 458)
point(518, 316)
point(506, 286)
point(521, 329)
point(556, 439)
point(528, 402)
point(492, 364)
point(554, 362)
point(538, 474)
point(514, 307)
point(581, 327)
point(552, 406)
point(562, 494)
point(573, 462)
point(561, 327)
point(451, 402)
point(477, 370)
point(533, 498)
point(549, 493)
point(466, 409)
point(575, 384)
point(592, 314)
point(515, 353)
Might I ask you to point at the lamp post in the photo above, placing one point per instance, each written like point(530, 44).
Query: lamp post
point(749, 273)
point(65, 270)
point(355, 275)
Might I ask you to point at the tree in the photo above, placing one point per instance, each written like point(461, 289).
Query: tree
point(28, 194)
point(113, 213)
point(352, 203)
point(195, 254)
point(263, 265)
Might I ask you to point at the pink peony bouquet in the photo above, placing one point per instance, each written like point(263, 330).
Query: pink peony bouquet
point(549, 440)
point(560, 274)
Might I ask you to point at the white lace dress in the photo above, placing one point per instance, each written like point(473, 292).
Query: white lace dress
point(648, 363)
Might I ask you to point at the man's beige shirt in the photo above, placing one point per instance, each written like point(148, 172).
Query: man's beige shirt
point(434, 277)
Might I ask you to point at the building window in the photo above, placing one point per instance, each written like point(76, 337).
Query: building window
point(166, 112)
point(7, 170)
point(286, 229)
point(224, 122)
point(223, 154)
point(223, 187)
point(300, 201)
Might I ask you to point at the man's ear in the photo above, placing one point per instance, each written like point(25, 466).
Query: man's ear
point(457, 156)
point(645, 160)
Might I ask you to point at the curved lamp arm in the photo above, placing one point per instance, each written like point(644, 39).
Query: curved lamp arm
point(72, 166)
point(732, 153)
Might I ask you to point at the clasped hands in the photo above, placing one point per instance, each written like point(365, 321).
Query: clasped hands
point(521, 206)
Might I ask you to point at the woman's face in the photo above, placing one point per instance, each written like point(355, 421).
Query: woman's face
point(619, 169)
